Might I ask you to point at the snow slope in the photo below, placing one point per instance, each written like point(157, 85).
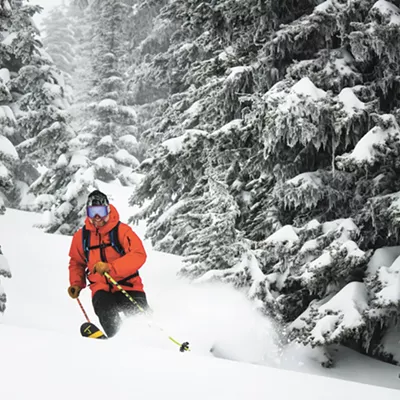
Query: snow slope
point(40, 341)
point(63, 367)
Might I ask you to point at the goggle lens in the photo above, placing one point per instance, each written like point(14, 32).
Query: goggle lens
point(101, 211)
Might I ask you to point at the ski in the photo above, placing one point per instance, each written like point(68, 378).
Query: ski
point(90, 330)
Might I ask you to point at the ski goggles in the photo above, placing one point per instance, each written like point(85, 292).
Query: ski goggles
point(101, 211)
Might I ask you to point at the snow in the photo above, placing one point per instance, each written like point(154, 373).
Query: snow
point(159, 374)
point(6, 5)
point(4, 75)
point(350, 101)
point(325, 6)
point(45, 200)
point(124, 157)
point(176, 145)
point(308, 246)
point(108, 104)
point(7, 148)
point(364, 149)
point(129, 111)
point(7, 41)
point(27, 198)
point(44, 326)
point(105, 162)
point(128, 140)
point(4, 267)
point(106, 140)
point(383, 257)
point(228, 127)
point(52, 88)
point(83, 178)
point(62, 161)
point(170, 211)
point(323, 260)
point(236, 72)
point(353, 298)
point(227, 54)
point(343, 311)
point(389, 278)
point(4, 172)
point(78, 161)
point(64, 209)
point(344, 224)
point(303, 89)
point(7, 114)
point(195, 109)
point(389, 10)
point(390, 342)
point(306, 179)
point(186, 47)
point(286, 233)
point(341, 64)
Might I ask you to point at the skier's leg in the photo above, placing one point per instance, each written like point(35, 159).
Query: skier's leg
point(128, 307)
point(106, 308)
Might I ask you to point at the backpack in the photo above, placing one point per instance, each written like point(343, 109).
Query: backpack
point(114, 242)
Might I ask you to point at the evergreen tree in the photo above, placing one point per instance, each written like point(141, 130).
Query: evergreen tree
point(38, 94)
point(33, 102)
point(291, 108)
point(39, 123)
point(8, 154)
point(59, 41)
point(10, 165)
point(110, 121)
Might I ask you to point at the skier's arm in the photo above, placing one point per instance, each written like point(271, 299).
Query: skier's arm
point(134, 258)
point(77, 263)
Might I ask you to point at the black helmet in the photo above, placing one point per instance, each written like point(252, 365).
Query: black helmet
point(97, 198)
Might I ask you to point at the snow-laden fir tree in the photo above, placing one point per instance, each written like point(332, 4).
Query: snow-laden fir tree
point(62, 190)
point(36, 112)
point(10, 166)
point(42, 132)
point(8, 154)
point(38, 94)
point(104, 145)
point(293, 109)
point(59, 41)
point(110, 122)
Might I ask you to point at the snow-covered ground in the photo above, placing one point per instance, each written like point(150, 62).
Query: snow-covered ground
point(43, 356)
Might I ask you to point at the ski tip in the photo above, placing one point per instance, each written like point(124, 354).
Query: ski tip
point(92, 331)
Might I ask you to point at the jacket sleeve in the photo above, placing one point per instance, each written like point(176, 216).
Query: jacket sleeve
point(135, 255)
point(77, 263)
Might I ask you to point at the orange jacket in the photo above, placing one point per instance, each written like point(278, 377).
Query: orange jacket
point(121, 266)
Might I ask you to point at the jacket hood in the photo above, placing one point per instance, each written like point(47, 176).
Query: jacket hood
point(112, 222)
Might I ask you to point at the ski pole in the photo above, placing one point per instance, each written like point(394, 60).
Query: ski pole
point(182, 346)
point(88, 329)
point(83, 310)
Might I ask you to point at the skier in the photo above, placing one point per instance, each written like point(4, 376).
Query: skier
point(105, 244)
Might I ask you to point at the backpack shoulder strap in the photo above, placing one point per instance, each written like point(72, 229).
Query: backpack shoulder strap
point(85, 242)
point(114, 239)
